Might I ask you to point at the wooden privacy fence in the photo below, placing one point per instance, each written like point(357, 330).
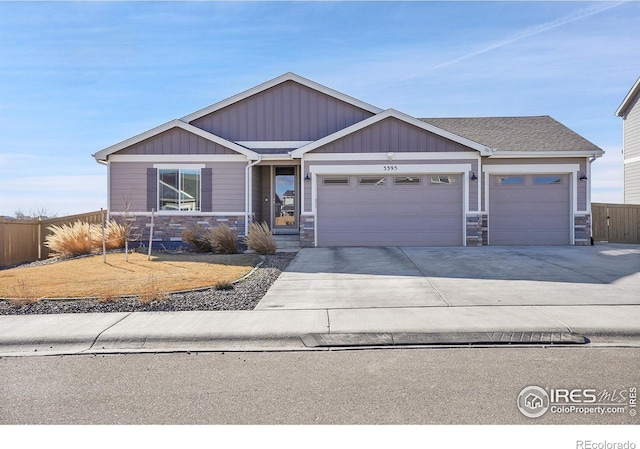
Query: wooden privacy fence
point(23, 240)
point(615, 223)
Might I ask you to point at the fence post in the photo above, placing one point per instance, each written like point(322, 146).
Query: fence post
point(104, 243)
point(151, 234)
point(40, 241)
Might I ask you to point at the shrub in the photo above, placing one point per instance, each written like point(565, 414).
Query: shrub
point(72, 240)
point(224, 239)
point(81, 238)
point(115, 235)
point(200, 238)
point(260, 239)
point(224, 285)
point(152, 291)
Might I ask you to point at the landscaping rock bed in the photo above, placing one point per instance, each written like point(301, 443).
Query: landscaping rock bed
point(244, 296)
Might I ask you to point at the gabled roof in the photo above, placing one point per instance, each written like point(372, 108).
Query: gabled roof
point(103, 154)
point(541, 134)
point(483, 149)
point(274, 82)
point(635, 90)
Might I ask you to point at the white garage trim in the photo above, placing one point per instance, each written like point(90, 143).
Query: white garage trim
point(534, 169)
point(394, 156)
point(390, 169)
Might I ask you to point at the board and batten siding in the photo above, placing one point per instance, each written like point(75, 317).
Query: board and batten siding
point(128, 183)
point(288, 111)
point(631, 145)
point(581, 186)
point(392, 135)
point(176, 141)
point(473, 185)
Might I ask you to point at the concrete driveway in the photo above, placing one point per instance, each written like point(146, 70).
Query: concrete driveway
point(337, 278)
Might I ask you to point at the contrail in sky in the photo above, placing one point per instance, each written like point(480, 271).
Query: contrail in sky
point(532, 31)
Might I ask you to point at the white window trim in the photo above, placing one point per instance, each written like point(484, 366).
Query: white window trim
point(178, 167)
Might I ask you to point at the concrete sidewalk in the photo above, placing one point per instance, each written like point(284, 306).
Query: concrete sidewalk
point(265, 330)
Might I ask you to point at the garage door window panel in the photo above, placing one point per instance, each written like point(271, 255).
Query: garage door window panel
point(335, 181)
point(372, 181)
point(509, 180)
point(443, 179)
point(547, 180)
point(406, 180)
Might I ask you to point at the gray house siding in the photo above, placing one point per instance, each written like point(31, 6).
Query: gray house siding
point(391, 134)
point(129, 183)
point(176, 141)
point(631, 145)
point(288, 111)
point(632, 183)
point(631, 138)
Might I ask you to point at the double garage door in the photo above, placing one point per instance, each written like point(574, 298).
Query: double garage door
point(427, 210)
point(529, 210)
point(393, 210)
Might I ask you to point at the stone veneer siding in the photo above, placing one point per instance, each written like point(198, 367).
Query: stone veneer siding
point(307, 231)
point(477, 230)
point(582, 229)
point(168, 228)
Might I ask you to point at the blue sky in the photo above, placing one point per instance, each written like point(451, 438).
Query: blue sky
point(80, 76)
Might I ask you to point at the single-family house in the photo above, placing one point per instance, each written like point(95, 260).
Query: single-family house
point(314, 162)
point(629, 110)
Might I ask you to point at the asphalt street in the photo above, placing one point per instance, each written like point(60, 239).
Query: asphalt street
point(389, 386)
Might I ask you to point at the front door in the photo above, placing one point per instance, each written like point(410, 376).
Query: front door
point(285, 200)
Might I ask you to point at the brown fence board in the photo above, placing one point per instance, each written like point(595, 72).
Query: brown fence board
point(23, 240)
point(616, 223)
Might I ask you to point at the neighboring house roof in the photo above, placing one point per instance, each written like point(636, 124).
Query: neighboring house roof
point(103, 154)
point(274, 82)
point(455, 137)
point(537, 135)
point(628, 100)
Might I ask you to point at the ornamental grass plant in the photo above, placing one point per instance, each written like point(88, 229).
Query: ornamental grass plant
point(260, 239)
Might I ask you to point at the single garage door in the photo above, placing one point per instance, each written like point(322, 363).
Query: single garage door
point(407, 210)
point(529, 210)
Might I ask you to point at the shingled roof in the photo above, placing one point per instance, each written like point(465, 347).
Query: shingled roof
point(526, 134)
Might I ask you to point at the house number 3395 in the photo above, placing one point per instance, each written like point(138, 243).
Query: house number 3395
point(390, 167)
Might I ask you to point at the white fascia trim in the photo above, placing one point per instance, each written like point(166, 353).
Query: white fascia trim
point(388, 169)
point(530, 169)
point(622, 109)
point(632, 160)
point(395, 156)
point(104, 154)
point(179, 214)
point(544, 154)
point(391, 113)
point(177, 166)
point(273, 144)
point(276, 157)
point(177, 158)
point(274, 82)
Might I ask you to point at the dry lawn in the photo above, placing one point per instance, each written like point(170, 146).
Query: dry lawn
point(91, 277)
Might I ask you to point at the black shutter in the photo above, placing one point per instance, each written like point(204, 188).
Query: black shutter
point(206, 190)
point(152, 189)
